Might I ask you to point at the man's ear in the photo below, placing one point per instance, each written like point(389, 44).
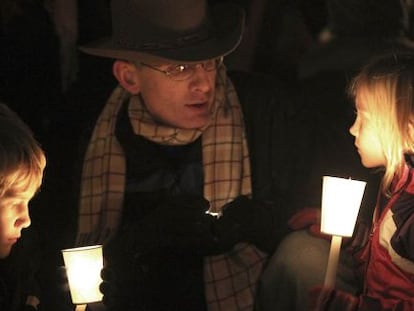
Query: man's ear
point(127, 75)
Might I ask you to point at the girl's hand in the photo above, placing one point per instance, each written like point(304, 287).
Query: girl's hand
point(308, 218)
point(330, 299)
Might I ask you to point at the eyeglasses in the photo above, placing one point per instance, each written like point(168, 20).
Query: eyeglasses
point(181, 72)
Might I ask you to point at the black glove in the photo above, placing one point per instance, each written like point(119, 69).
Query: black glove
point(123, 275)
point(168, 236)
point(121, 290)
point(163, 249)
point(62, 281)
point(252, 221)
point(179, 222)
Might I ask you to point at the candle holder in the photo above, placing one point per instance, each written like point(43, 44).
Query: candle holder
point(83, 268)
point(341, 199)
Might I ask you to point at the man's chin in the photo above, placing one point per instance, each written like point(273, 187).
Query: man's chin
point(193, 123)
point(195, 126)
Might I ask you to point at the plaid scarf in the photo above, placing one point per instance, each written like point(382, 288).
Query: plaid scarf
point(230, 278)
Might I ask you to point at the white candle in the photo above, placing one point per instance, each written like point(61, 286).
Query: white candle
point(334, 251)
point(83, 267)
point(341, 199)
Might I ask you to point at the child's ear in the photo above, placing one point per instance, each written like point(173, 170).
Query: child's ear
point(127, 75)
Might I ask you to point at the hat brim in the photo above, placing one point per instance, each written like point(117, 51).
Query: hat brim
point(229, 26)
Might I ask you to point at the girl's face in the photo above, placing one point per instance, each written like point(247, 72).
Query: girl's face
point(14, 216)
point(367, 140)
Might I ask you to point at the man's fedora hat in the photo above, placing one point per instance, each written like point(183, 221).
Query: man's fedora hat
point(174, 30)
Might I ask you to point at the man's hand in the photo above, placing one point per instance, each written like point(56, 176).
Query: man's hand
point(254, 221)
point(180, 222)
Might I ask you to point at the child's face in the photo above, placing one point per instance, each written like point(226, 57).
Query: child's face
point(367, 140)
point(14, 216)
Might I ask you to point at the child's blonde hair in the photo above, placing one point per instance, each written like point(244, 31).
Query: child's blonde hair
point(385, 86)
point(22, 160)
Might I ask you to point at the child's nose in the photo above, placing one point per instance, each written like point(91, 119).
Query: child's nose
point(23, 220)
point(353, 129)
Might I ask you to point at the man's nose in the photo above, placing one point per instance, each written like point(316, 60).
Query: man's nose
point(202, 79)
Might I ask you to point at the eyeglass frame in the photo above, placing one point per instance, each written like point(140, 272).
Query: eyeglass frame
point(218, 62)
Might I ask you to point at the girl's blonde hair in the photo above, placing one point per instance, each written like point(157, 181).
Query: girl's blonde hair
point(385, 86)
point(22, 160)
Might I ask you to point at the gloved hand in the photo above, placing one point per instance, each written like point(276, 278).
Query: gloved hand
point(330, 299)
point(182, 222)
point(308, 218)
point(174, 225)
point(178, 222)
point(250, 221)
point(122, 291)
point(123, 275)
point(62, 279)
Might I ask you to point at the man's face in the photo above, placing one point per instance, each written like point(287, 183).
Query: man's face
point(184, 104)
point(14, 216)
